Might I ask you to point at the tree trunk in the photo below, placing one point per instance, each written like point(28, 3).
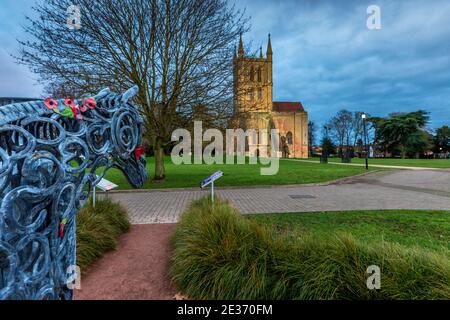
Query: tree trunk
point(159, 160)
point(403, 152)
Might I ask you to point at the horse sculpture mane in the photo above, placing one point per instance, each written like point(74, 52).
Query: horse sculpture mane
point(48, 165)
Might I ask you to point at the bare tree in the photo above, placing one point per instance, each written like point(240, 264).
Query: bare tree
point(346, 128)
point(357, 127)
point(178, 52)
point(340, 127)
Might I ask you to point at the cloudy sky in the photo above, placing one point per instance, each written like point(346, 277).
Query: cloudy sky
point(327, 58)
point(324, 54)
point(15, 80)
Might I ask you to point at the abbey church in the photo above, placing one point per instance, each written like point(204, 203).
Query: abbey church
point(254, 107)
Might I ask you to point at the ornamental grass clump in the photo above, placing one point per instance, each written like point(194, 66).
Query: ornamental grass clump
point(98, 229)
point(220, 254)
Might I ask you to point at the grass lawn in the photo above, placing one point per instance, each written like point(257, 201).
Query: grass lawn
point(427, 163)
point(411, 228)
point(290, 172)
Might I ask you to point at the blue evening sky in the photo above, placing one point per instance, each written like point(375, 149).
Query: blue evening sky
point(15, 80)
point(324, 54)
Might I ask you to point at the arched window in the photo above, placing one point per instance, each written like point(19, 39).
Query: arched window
point(259, 75)
point(252, 74)
point(250, 94)
point(289, 137)
point(259, 93)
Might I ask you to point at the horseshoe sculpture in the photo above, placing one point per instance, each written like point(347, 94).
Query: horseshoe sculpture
point(49, 153)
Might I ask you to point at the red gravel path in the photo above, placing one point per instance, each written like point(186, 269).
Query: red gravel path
point(138, 269)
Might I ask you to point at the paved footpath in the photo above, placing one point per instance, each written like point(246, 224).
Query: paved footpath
point(137, 269)
point(119, 275)
point(400, 189)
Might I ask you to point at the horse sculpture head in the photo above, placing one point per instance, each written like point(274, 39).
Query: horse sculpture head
point(118, 134)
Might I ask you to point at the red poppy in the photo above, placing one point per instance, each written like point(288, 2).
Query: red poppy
point(50, 103)
point(69, 102)
point(138, 152)
point(83, 108)
point(61, 230)
point(90, 103)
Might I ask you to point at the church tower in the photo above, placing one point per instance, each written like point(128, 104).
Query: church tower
point(254, 107)
point(253, 80)
point(253, 91)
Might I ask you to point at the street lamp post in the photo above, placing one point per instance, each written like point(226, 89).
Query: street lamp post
point(363, 116)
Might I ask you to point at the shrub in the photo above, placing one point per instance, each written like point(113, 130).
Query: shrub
point(98, 229)
point(219, 254)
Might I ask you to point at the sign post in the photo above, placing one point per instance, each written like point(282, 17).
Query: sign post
point(210, 180)
point(104, 185)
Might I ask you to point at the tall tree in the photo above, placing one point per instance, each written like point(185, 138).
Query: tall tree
point(357, 127)
point(178, 52)
point(341, 127)
point(418, 142)
point(441, 140)
point(395, 130)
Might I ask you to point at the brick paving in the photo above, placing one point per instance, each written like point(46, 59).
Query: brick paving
point(402, 189)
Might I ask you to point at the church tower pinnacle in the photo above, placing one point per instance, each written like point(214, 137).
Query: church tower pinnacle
point(241, 47)
point(269, 49)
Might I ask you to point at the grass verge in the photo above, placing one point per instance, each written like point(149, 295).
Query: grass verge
point(98, 230)
point(219, 254)
point(190, 175)
point(424, 163)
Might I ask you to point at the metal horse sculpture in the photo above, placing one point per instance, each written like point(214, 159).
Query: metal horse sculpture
point(49, 154)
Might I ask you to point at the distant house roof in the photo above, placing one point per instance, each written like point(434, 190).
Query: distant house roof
point(288, 107)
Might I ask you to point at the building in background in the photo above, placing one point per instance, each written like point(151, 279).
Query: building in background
point(254, 107)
